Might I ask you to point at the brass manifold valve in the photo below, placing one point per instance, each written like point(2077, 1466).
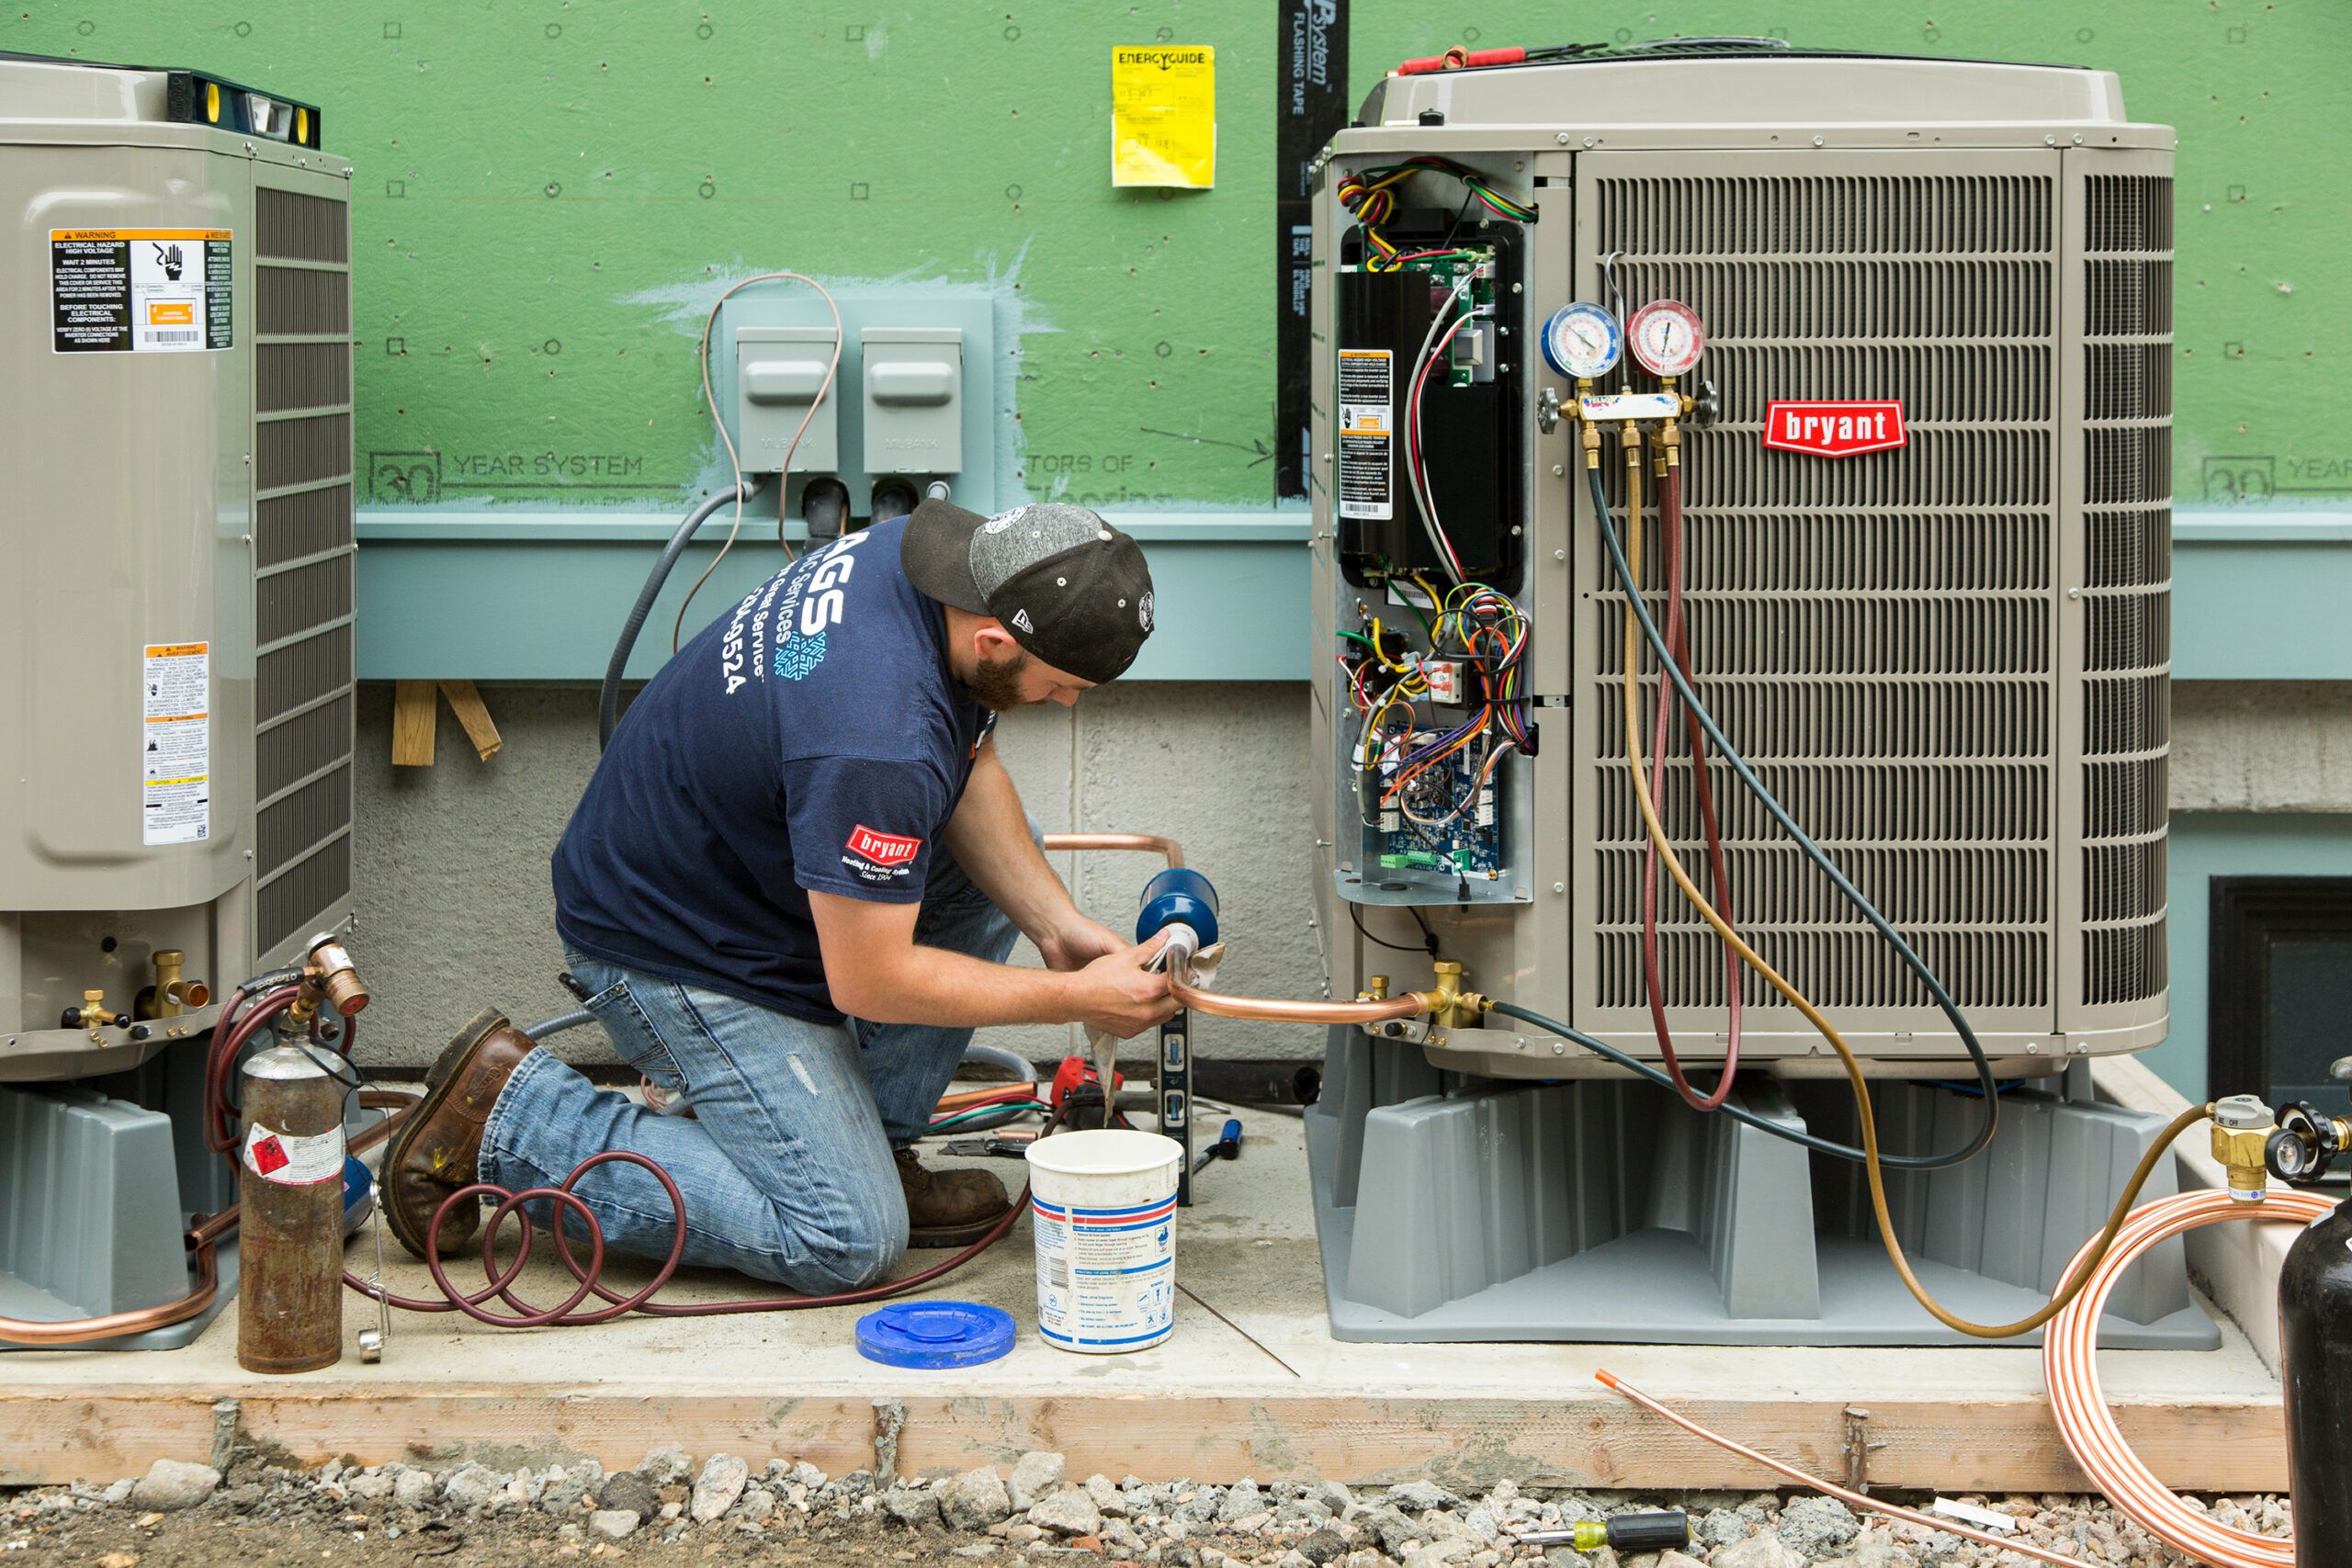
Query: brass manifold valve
point(1446, 1006)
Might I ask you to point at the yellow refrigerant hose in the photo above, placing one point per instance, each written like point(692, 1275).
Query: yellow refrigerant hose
point(2086, 1262)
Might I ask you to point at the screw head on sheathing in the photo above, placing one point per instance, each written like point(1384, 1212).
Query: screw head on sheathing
point(1563, 138)
point(1559, 887)
point(1820, 141)
point(1559, 1047)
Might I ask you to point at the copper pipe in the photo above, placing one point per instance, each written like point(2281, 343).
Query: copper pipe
point(1150, 844)
point(1410, 1005)
point(82, 1330)
point(1263, 1007)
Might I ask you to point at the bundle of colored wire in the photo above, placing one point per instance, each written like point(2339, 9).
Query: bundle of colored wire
point(1435, 345)
point(1371, 195)
point(2070, 1364)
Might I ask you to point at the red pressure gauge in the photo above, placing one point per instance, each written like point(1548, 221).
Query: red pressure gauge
point(1666, 337)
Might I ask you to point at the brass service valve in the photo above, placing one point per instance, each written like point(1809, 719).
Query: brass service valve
point(1448, 1006)
point(91, 1014)
point(2242, 1129)
point(1375, 988)
point(173, 993)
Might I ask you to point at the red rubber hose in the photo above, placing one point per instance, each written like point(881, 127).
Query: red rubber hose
point(1670, 506)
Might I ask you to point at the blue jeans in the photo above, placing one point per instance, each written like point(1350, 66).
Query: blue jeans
point(786, 1163)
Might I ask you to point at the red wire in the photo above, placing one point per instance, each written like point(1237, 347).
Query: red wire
point(1670, 507)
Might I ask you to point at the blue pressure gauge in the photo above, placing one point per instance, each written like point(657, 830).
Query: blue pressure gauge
point(1582, 340)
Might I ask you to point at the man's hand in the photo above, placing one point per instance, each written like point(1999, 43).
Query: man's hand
point(1078, 942)
point(1119, 995)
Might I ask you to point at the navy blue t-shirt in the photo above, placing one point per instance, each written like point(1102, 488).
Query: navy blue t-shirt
point(810, 740)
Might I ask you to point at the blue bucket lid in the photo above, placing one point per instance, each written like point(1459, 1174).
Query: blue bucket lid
point(934, 1334)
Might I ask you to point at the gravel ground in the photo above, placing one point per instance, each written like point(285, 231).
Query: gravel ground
point(674, 1509)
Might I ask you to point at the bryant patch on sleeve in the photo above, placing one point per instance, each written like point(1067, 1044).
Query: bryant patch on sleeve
point(879, 857)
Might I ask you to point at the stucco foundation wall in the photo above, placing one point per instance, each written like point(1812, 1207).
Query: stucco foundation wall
point(456, 912)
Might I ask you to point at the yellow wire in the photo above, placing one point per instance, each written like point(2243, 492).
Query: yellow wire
point(1796, 999)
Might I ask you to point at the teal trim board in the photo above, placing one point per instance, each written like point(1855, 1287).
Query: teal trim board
point(518, 596)
point(2206, 844)
point(2258, 594)
point(515, 594)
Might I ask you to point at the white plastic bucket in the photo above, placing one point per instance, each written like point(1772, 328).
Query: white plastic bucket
point(1103, 1205)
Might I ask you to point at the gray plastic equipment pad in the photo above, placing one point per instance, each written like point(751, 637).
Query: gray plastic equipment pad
point(1604, 1210)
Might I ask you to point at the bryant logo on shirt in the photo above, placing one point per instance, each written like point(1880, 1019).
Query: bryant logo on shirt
point(880, 857)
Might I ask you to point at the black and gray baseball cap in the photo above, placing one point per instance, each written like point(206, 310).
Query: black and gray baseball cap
point(1072, 589)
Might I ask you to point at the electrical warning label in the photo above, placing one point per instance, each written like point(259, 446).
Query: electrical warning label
point(175, 771)
point(140, 291)
point(1367, 425)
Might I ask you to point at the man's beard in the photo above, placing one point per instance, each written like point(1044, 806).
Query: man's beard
point(997, 686)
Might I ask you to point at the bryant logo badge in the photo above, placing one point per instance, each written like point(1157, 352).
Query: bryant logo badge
point(1834, 429)
point(888, 852)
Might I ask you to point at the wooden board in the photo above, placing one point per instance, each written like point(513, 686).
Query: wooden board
point(467, 703)
point(414, 713)
point(1571, 1437)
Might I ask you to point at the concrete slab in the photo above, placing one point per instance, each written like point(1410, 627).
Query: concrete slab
point(1251, 1383)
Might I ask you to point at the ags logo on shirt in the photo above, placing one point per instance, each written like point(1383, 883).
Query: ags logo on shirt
point(879, 855)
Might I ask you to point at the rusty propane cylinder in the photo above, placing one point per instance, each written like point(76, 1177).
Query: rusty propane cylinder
point(289, 1265)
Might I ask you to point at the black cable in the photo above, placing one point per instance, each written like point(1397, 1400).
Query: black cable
point(609, 696)
point(1813, 851)
point(1430, 940)
point(1732, 1108)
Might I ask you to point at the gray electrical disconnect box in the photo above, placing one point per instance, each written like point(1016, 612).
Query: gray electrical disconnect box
point(778, 373)
point(914, 415)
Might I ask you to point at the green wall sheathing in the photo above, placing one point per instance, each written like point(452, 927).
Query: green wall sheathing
point(548, 192)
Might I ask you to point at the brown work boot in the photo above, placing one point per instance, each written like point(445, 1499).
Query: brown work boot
point(435, 1151)
point(949, 1208)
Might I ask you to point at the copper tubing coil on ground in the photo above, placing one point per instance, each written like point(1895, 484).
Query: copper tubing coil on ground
point(2070, 1365)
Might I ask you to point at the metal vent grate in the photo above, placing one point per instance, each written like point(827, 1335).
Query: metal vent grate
point(290, 603)
point(302, 673)
point(2127, 596)
point(301, 376)
point(291, 752)
point(1877, 631)
point(304, 523)
point(296, 303)
point(300, 227)
point(302, 470)
point(302, 451)
point(295, 902)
